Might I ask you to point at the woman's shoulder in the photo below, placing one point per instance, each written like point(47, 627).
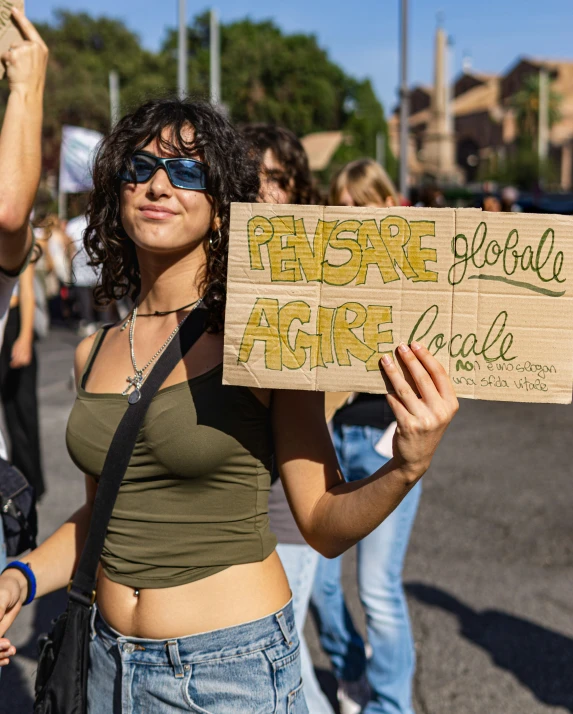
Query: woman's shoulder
point(82, 353)
point(85, 348)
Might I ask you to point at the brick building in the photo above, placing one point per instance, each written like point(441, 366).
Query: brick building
point(482, 121)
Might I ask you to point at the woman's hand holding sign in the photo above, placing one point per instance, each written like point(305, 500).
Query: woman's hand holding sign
point(333, 514)
point(26, 61)
point(422, 420)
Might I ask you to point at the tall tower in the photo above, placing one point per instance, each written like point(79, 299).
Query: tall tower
point(439, 142)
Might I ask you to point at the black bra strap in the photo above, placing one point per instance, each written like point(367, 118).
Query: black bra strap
point(93, 355)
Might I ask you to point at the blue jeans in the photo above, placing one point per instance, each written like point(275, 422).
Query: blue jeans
point(381, 555)
point(299, 562)
point(253, 667)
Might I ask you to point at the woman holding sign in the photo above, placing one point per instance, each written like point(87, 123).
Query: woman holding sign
point(192, 608)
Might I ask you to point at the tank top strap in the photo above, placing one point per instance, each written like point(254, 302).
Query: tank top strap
point(101, 333)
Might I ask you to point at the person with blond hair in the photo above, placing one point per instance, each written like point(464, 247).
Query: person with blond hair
point(363, 183)
point(362, 435)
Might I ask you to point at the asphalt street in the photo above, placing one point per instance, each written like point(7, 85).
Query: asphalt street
point(489, 573)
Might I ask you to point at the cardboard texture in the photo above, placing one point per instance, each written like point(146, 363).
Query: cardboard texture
point(9, 33)
point(317, 294)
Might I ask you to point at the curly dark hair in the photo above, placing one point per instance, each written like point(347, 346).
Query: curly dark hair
point(232, 176)
point(289, 152)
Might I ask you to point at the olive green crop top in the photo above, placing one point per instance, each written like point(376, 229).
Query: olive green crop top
point(194, 499)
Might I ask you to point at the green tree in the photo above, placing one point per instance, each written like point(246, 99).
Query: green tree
point(83, 50)
point(267, 76)
point(364, 121)
point(525, 103)
point(522, 167)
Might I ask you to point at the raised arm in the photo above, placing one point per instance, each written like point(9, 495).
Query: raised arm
point(334, 515)
point(20, 142)
point(55, 560)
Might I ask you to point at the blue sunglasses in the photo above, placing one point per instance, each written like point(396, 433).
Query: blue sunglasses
point(183, 173)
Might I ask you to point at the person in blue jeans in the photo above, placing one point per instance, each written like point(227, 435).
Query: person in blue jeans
point(286, 178)
point(380, 556)
point(300, 562)
point(362, 445)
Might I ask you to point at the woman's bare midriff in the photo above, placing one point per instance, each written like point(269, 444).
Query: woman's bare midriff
point(238, 594)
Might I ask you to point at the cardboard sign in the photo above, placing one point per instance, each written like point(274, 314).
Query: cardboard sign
point(9, 33)
point(316, 295)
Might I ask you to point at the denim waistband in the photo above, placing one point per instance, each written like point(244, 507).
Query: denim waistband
point(192, 649)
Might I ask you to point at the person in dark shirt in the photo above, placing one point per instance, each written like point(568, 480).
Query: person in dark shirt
point(362, 435)
point(18, 381)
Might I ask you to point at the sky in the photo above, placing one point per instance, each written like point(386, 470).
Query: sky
point(362, 36)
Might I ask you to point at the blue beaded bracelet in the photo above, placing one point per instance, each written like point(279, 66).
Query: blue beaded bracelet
point(28, 573)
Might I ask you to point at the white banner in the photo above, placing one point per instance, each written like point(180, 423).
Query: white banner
point(76, 158)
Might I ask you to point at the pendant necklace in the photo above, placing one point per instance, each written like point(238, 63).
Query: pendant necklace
point(138, 378)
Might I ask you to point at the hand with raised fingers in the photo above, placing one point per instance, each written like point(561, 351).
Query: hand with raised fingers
point(12, 595)
point(26, 61)
point(422, 420)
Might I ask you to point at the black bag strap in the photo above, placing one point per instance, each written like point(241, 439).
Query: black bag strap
point(83, 585)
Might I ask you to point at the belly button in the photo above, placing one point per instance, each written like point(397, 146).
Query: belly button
point(136, 593)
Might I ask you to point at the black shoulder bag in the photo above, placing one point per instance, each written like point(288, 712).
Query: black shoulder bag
point(61, 679)
point(18, 510)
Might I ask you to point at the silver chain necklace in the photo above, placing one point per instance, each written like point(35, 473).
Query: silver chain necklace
point(138, 378)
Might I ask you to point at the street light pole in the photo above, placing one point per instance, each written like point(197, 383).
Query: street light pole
point(215, 59)
point(182, 51)
point(404, 100)
point(380, 149)
point(113, 97)
point(543, 119)
point(62, 206)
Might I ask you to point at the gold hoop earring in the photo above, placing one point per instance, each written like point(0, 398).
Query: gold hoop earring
point(214, 244)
